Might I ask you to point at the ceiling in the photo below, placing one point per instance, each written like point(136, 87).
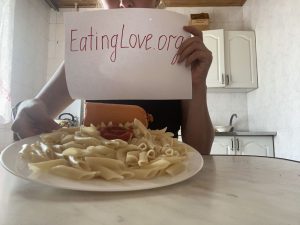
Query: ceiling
point(168, 3)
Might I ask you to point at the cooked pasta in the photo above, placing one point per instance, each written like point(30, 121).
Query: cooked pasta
point(82, 153)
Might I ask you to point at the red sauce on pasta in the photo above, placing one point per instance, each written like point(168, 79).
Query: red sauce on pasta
point(116, 132)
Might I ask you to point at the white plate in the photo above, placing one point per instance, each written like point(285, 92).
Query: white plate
point(11, 161)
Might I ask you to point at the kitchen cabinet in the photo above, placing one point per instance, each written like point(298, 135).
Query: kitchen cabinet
point(243, 145)
point(223, 145)
point(240, 59)
point(214, 41)
point(234, 59)
point(260, 146)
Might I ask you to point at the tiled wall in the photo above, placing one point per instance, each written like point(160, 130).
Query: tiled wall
point(31, 27)
point(275, 105)
point(221, 105)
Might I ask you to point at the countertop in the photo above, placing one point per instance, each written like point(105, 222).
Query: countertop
point(246, 133)
point(229, 190)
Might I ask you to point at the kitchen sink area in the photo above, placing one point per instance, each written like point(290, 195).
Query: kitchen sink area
point(231, 141)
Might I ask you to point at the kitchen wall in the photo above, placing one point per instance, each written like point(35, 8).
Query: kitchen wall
point(222, 105)
point(30, 46)
point(275, 105)
point(56, 54)
point(39, 49)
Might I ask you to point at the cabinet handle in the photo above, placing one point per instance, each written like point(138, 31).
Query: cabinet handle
point(231, 144)
point(223, 79)
point(238, 144)
point(227, 79)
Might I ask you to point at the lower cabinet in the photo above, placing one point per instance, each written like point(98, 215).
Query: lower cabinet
point(243, 145)
point(223, 145)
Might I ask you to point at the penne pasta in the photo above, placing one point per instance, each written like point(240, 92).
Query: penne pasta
point(72, 144)
point(169, 152)
point(100, 150)
point(145, 173)
point(88, 141)
point(175, 169)
point(108, 174)
point(81, 153)
point(53, 138)
point(143, 159)
point(122, 152)
point(26, 152)
point(160, 163)
point(69, 130)
point(77, 152)
point(67, 138)
point(79, 163)
point(46, 165)
point(132, 158)
point(113, 164)
point(116, 143)
point(151, 154)
point(90, 131)
point(143, 146)
point(73, 173)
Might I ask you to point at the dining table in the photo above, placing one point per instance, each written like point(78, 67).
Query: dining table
point(231, 190)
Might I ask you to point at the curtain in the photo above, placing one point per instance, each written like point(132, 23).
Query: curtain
point(6, 41)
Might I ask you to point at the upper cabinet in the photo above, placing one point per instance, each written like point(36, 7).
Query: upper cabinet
point(240, 59)
point(214, 41)
point(234, 60)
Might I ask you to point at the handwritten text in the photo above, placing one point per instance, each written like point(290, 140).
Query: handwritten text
point(93, 41)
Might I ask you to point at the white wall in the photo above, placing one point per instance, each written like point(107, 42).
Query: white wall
point(30, 47)
point(56, 52)
point(275, 105)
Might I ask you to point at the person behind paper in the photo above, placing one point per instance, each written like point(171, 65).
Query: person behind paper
point(35, 116)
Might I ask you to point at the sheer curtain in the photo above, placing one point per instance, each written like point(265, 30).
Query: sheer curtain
point(6, 41)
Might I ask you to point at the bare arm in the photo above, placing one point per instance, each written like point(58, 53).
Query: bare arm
point(55, 94)
point(35, 116)
point(197, 129)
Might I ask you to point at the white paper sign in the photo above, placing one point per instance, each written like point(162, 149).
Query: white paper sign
point(126, 54)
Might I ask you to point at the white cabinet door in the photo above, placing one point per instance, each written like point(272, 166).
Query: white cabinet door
point(223, 145)
point(255, 145)
point(214, 41)
point(240, 59)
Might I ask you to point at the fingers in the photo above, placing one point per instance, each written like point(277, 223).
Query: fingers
point(188, 48)
point(197, 55)
point(193, 48)
point(194, 31)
